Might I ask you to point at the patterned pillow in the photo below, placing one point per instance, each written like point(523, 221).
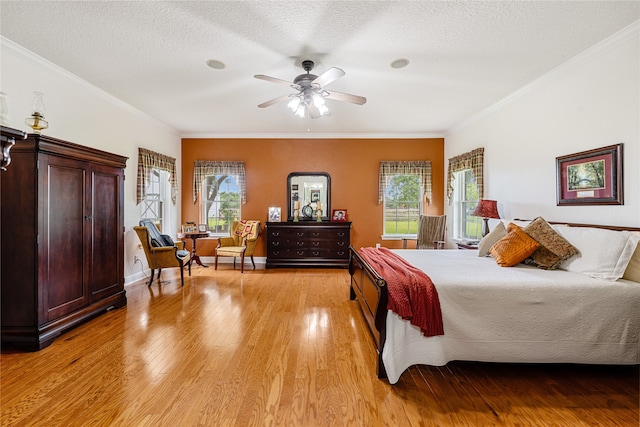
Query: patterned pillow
point(553, 250)
point(514, 248)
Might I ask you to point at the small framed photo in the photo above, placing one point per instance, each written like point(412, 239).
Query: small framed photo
point(274, 214)
point(189, 227)
point(591, 177)
point(202, 228)
point(339, 215)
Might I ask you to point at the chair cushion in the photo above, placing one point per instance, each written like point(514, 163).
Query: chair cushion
point(230, 250)
point(182, 253)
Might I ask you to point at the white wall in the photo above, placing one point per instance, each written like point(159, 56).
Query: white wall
point(591, 101)
point(81, 113)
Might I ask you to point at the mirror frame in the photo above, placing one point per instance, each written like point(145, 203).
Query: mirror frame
point(326, 201)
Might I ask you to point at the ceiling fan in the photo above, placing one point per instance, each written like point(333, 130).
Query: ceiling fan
point(311, 92)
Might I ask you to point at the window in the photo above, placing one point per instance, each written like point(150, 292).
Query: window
point(152, 203)
point(465, 186)
point(403, 187)
point(156, 185)
point(402, 204)
point(221, 202)
point(465, 199)
point(223, 189)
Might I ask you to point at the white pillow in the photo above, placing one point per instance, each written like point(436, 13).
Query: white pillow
point(490, 239)
point(604, 254)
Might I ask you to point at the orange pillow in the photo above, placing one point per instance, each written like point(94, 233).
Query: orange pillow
point(514, 248)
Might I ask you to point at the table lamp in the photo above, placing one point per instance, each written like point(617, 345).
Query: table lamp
point(486, 209)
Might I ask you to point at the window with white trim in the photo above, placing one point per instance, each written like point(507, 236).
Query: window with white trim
point(221, 202)
point(465, 198)
point(152, 203)
point(402, 204)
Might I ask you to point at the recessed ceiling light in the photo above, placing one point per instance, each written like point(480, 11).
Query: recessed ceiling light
point(400, 63)
point(215, 64)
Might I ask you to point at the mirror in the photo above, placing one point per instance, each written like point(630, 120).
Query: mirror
point(305, 190)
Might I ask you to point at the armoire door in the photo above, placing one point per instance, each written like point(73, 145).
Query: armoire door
point(107, 236)
point(63, 237)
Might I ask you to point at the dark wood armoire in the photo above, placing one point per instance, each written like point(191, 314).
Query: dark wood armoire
point(62, 211)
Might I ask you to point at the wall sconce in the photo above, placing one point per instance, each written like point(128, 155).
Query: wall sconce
point(37, 121)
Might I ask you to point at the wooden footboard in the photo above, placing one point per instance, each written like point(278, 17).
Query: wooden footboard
point(370, 290)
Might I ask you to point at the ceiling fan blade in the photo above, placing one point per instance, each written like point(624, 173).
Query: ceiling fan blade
point(328, 76)
point(274, 101)
point(346, 97)
point(272, 79)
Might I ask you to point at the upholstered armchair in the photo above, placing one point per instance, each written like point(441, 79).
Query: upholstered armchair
point(241, 242)
point(431, 232)
point(161, 251)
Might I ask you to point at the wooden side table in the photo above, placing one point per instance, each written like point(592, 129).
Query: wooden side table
point(193, 236)
point(467, 246)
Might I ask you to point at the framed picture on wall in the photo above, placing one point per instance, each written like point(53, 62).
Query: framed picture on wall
point(591, 177)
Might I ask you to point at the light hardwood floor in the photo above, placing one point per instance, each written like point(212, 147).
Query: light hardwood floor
point(284, 348)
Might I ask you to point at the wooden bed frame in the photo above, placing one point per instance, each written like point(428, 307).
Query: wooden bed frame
point(370, 290)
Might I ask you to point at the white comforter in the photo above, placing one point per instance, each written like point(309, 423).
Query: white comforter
point(516, 314)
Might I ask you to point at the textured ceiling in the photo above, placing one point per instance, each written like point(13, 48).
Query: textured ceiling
point(464, 56)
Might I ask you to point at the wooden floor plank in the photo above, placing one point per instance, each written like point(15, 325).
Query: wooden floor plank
point(279, 347)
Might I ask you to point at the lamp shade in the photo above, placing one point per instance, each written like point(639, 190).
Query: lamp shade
point(486, 209)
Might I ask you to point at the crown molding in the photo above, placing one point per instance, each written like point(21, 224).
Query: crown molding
point(312, 135)
point(15, 49)
point(611, 42)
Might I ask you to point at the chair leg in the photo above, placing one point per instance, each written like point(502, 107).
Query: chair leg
point(216, 263)
point(234, 263)
point(182, 274)
point(254, 264)
point(189, 267)
point(151, 279)
point(241, 263)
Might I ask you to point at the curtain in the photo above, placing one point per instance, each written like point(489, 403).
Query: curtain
point(420, 168)
point(204, 168)
point(148, 160)
point(473, 160)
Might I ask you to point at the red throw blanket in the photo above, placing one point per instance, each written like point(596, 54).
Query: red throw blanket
point(412, 294)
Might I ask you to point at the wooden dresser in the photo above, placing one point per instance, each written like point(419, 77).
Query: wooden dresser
point(62, 239)
point(308, 244)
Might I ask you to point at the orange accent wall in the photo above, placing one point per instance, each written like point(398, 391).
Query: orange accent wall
point(353, 165)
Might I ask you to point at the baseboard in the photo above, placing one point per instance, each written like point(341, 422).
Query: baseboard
point(208, 260)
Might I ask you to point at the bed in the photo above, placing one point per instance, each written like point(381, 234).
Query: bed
point(512, 314)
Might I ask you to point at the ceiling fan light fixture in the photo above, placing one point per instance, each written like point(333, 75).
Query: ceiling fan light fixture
point(318, 100)
point(301, 111)
point(294, 103)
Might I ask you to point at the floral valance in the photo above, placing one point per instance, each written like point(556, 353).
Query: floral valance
point(473, 160)
point(420, 168)
point(205, 168)
point(149, 160)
